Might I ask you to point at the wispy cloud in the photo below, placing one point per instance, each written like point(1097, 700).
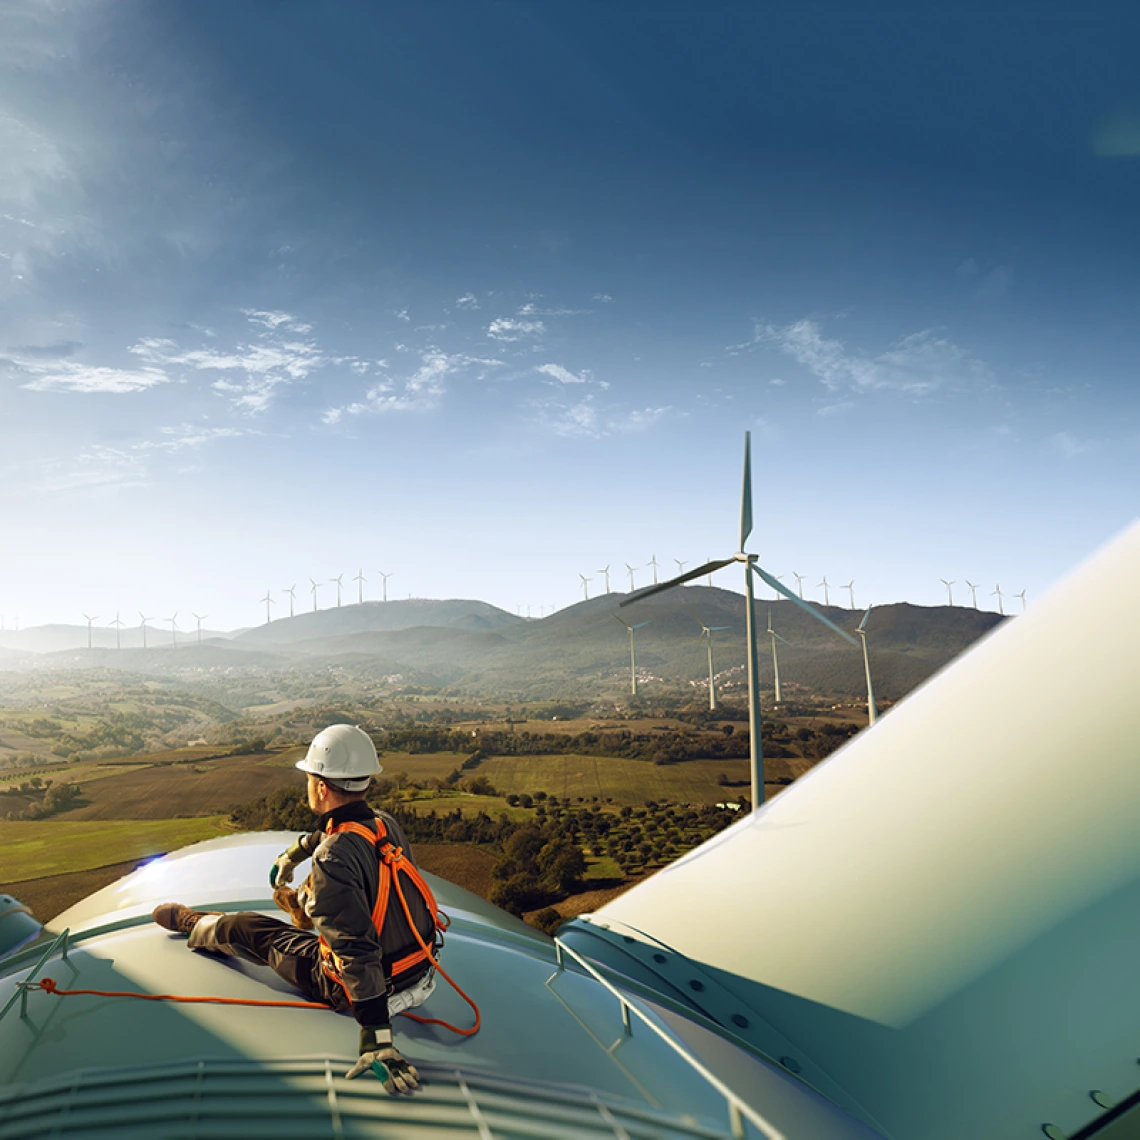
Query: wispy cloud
point(263, 366)
point(1070, 446)
point(467, 301)
point(186, 436)
point(587, 418)
point(71, 376)
point(423, 391)
point(916, 365)
point(511, 329)
point(564, 375)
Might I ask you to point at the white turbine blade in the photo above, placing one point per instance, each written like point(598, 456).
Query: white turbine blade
point(707, 568)
point(776, 584)
point(746, 492)
point(714, 628)
point(863, 623)
point(779, 638)
point(623, 621)
point(640, 624)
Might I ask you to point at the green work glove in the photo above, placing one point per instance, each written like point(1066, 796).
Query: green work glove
point(282, 870)
point(390, 1066)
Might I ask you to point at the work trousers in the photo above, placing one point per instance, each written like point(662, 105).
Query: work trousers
point(291, 953)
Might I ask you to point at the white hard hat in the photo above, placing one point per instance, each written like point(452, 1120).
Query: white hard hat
point(344, 753)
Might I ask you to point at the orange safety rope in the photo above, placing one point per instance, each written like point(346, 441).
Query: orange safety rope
point(48, 985)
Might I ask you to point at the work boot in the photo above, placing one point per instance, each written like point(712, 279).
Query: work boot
point(178, 918)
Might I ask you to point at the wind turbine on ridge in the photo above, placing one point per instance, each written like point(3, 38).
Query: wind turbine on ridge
point(1022, 597)
point(973, 591)
point(632, 657)
point(605, 572)
point(826, 596)
point(385, 577)
point(1001, 609)
point(292, 592)
point(706, 632)
point(850, 588)
point(199, 618)
point(799, 582)
point(268, 602)
point(142, 625)
point(653, 562)
point(118, 626)
point(779, 578)
point(89, 622)
point(629, 568)
point(173, 629)
point(750, 568)
point(872, 712)
point(949, 589)
point(360, 580)
point(585, 586)
point(680, 565)
point(316, 586)
point(338, 581)
point(775, 660)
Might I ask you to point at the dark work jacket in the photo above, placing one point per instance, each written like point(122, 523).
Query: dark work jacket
point(344, 883)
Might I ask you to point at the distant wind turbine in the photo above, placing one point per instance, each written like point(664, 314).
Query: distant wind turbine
point(779, 578)
point(385, 577)
point(680, 565)
point(872, 712)
point(142, 625)
point(750, 568)
point(268, 602)
point(708, 559)
point(585, 586)
point(629, 568)
point(706, 632)
point(632, 657)
point(1022, 597)
point(850, 588)
point(89, 622)
point(605, 572)
point(316, 586)
point(360, 580)
point(949, 589)
point(173, 629)
point(799, 582)
point(338, 581)
point(199, 618)
point(973, 591)
point(775, 660)
point(826, 597)
point(998, 592)
point(292, 592)
point(653, 562)
point(118, 631)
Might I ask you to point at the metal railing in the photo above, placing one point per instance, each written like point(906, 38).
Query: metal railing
point(738, 1109)
point(29, 983)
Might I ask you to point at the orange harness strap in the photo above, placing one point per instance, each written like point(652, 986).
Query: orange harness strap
point(394, 859)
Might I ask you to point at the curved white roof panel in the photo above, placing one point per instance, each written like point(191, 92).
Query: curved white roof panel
point(552, 1058)
point(944, 916)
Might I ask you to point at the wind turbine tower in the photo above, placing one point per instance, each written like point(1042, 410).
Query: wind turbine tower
point(385, 577)
point(292, 592)
point(775, 660)
point(199, 618)
point(1001, 610)
point(680, 565)
point(872, 712)
point(268, 602)
point(585, 586)
point(605, 572)
point(973, 591)
point(632, 656)
point(338, 581)
point(360, 580)
point(653, 562)
point(749, 562)
point(118, 631)
point(826, 596)
point(850, 588)
point(173, 629)
point(89, 622)
point(142, 625)
point(799, 583)
point(1022, 597)
point(949, 589)
point(706, 632)
point(316, 586)
point(629, 569)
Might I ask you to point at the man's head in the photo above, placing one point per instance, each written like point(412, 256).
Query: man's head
point(340, 765)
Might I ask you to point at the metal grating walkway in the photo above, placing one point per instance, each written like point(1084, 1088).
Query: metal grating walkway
point(310, 1100)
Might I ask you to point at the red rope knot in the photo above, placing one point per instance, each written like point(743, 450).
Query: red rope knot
point(48, 984)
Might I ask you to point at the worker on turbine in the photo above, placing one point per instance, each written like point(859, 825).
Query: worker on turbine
point(363, 887)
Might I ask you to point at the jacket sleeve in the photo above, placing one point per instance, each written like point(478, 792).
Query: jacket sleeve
point(339, 909)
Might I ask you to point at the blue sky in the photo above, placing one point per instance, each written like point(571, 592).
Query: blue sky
point(485, 295)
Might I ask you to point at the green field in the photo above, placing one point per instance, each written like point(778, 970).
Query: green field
point(624, 781)
point(33, 849)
